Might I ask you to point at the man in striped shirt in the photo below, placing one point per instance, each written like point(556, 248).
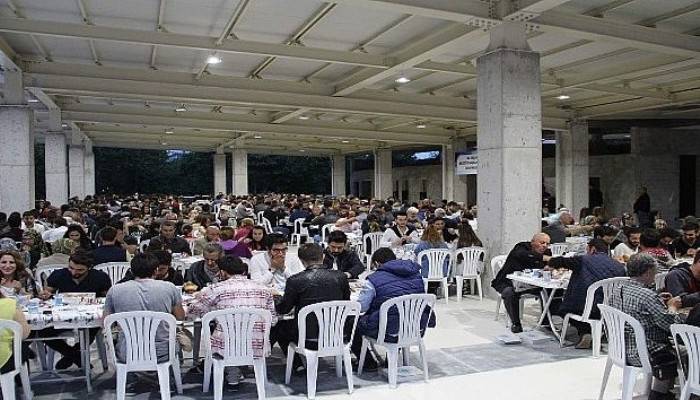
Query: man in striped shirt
point(234, 290)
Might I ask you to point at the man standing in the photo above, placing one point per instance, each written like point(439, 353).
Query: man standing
point(234, 290)
point(206, 271)
point(145, 293)
point(337, 256)
point(688, 244)
point(315, 284)
point(525, 255)
point(642, 207)
point(399, 234)
point(625, 250)
point(275, 267)
point(587, 269)
point(211, 235)
point(171, 242)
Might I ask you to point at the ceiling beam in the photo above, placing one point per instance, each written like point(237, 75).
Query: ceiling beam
point(449, 10)
point(611, 5)
point(669, 15)
point(191, 42)
point(225, 33)
point(640, 104)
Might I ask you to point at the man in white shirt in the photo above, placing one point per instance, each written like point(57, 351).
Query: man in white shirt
point(29, 222)
point(632, 245)
point(399, 234)
point(275, 266)
point(52, 235)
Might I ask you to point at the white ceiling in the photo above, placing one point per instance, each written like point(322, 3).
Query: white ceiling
point(119, 69)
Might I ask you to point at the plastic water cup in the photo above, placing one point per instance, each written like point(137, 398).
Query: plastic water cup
point(546, 276)
point(33, 306)
point(58, 300)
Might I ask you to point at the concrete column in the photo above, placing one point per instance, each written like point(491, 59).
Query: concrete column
point(239, 170)
point(448, 172)
point(509, 140)
point(89, 171)
point(219, 173)
point(338, 179)
point(572, 167)
point(76, 168)
point(16, 159)
point(459, 182)
point(55, 165)
point(383, 186)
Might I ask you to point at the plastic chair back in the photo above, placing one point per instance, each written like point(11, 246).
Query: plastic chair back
point(660, 280)
point(16, 330)
point(558, 249)
point(410, 308)
point(371, 242)
point(497, 263)
point(590, 294)
point(139, 329)
point(325, 230)
point(42, 273)
point(436, 261)
point(260, 217)
point(143, 245)
point(299, 228)
point(267, 225)
point(689, 337)
point(616, 323)
point(331, 317)
point(115, 270)
point(471, 260)
point(610, 284)
point(241, 328)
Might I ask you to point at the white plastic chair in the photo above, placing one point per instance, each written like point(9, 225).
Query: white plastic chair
point(410, 308)
point(370, 243)
point(299, 231)
point(325, 230)
point(239, 333)
point(496, 265)
point(615, 322)
point(7, 380)
point(472, 265)
point(115, 270)
point(267, 225)
point(143, 245)
point(596, 325)
point(660, 280)
point(559, 249)
point(690, 338)
point(436, 261)
point(139, 330)
point(260, 217)
point(331, 317)
point(42, 273)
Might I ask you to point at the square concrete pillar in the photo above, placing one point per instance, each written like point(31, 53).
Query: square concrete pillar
point(448, 172)
point(219, 173)
point(572, 167)
point(338, 175)
point(239, 170)
point(509, 141)
point(76, 168)
point(383, 185)
point(16, 159)
point(56, 168)
point(459, 182)
point(89, 174)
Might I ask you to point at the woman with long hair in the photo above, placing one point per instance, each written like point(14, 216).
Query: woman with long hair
point(15, 280)
point(467, 236)
point(431, 239)
point(76, 233)
point(10, 311)
point(257, 239)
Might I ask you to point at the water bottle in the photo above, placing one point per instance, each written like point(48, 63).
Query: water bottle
point(33, 306)
point(58, 300)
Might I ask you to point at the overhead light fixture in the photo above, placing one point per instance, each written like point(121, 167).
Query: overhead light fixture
point(345, 141)
point(402, 79)
point(302, 150)
point(181, 108)
point(164, 143)
point(168, 131)
point(563, 97)
point(420, 126)
point(32, 101)
point(257, 137)
point(64, 125)
point(213, 59)
point(304, 117)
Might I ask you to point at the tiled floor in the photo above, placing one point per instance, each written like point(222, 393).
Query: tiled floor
point(465, 360)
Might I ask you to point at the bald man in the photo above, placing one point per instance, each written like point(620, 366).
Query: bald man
point(525, 255)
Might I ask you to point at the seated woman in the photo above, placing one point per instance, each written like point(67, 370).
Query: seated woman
point(76, 233)
point(431, 239)
point(233, 247)
point(15, 280)
point(244, 228)
point(9, 311)
point(257, 240)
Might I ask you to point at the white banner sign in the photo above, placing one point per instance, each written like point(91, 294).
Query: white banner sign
point(467, 164)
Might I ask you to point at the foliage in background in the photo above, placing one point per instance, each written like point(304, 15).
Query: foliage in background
point(282, 174)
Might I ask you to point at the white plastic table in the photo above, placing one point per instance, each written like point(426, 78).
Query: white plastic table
point(552, 284)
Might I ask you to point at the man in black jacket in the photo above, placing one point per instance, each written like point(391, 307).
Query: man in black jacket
point(315, 284)
point(337, 256)
point(683, 281)
point(206, 271)
point(525, 255)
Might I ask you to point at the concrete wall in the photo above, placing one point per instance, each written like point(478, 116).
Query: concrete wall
point(430, 175)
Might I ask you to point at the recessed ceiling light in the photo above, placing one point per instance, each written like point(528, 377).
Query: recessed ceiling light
point(64, 125)
point(164, 143)
point(345, 141)
point(563, 97)
point(169, 131)
point(304, 117)
point(302, 150)
point(213, 59)
point(32, 101)
point(402, 79)
point(181, 108)
point(420, 126)
point(257, 137)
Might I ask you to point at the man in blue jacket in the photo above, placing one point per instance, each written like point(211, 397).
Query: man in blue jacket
point(392, 278)
point(586, 270)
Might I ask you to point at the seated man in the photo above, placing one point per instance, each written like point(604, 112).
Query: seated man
point(392, 278)
point(164, 272)
point(78, 277)
point(234, 290)
point(144, 293)
point(275, 266)
point(646, 306)
point(683, 280)
point(623, 251)
point(315, 284)
point(689, 243)
point(400, 233)
point(171, 242)
point(586, 270)
point(211, 236)
point(650, 243)
point(206, 271)
point(109, 251)
point(337, 256)
point(525, 255)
